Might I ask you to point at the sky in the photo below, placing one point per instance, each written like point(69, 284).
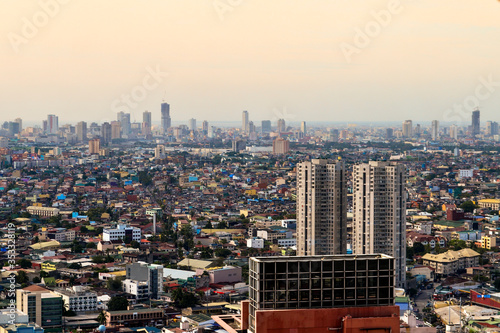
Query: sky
point(312, 60)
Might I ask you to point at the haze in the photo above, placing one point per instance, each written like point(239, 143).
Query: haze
point(267, 57)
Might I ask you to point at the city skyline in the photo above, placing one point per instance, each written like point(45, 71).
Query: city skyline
point(70, 67)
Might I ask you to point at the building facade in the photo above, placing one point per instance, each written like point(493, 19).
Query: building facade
point(321, 208)
point(121, 232)
point(379, 223)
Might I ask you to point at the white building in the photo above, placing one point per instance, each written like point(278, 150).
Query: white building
point(466, 173)
point(140, 289)
point(78, 299)
point(287, 242)
point(121, 232)
point(256, 243)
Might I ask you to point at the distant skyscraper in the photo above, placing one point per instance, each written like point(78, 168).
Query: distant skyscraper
point(454, 132)
point(165, 117)
point(146, 123)
point(266, 126)
point(389, 133)
point(106, 133)
point(20, 122)
point(303, 127)
point(281, 125)
point(491, 128)
point(435, 130)
point(192, 124)
point(321, 208)
point(407, 129)
point(94, 146)
point(116, 130)
point(124, 119)
point(379, 202)
point(281, 146)
point(251, 127)
point(204, 127)
point(52, 124)
point(244, 122)
point(13, 128)
point(476, 123)
point(81, 131)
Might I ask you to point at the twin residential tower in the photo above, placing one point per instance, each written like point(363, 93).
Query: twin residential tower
point(379, 206)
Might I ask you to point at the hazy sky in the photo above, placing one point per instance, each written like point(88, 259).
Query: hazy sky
point(301, 60)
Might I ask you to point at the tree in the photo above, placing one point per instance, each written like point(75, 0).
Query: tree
point(114, 284)
point(98, 259)
point(418, 248)
point(101, 318)
point(183, 299)
point(36, 279)
point(468, 206)
point(43, 274)
point(135, 244)
point(22, 277)
point(75, 265)
point(117, 303)
point(497, 284)
point(24, 263)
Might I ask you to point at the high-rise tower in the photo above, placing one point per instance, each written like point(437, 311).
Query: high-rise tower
point(244, 122)
point(321, 208)
point(380, 212)
point(165, 117)
point(476, 123)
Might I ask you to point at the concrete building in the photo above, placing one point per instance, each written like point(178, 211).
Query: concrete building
point(266, 126)
point(81, 131)
point(256, 243)
point(154, 317)
point(379, 204)
point(78, 299)
point(42, 306)
point(435, 130)
point(245, 122)
point(116, 130)
point(281, 126)
point(192, 124)
point(321, 208)
point(140, 289)
point(106, 133)
point(42, 211)
point(408, 129)
point(149, 273)
point(146, 123)
point(476, 123)
point(454, 132)
point(281, 146)
point(312, 292)
point(94, 146)
point(450, 261)
point(52, 124)
point(121, 232)
point(303, 128)
point(226, 274)
point(166, 121)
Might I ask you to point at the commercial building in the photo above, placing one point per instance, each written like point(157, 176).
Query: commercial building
point(42, 211)
point(52, 124)
point(450, 261)
point(321, 208)
point(476, 123)
point(136, 317)
point(266, 126)
point(149, 273)
point(435, 130)
point(281, 146)
point(146, 123)
point(165, 117)
point(493, 204)
point(81, 131)
point(121, 232)
point(94, 146)
point(42, 306)
point(140, 289)
point(78, 299)
point(256, 243)
point(321, 292)
point(244, 122)
point(408, 129)
point(379, 223)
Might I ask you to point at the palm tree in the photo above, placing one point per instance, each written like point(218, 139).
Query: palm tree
point(101, 319)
